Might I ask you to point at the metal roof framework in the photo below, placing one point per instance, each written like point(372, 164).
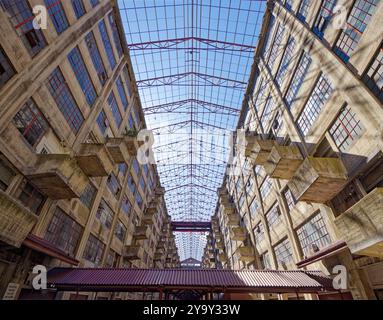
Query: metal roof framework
point(192, 60)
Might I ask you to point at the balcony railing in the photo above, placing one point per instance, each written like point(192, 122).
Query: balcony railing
point(361, 226)
point(318, 179)
point(133, 252)
point(16, 221)
point(94, 160)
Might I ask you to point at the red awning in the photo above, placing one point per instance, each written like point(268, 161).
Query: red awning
point(104, 279)
point(41, 245)
point(324, 253)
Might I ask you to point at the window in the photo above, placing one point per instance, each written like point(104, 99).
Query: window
point(357, 22)
point(120, 231)
point(96, 58)
point(313, 235)
point(273, 217)
point(288, 4)
point(139, 200)
point(57, 14)
point(21, 17)
point(254, 208)
point(110, 259)
point(94, 250)
point(103, 122)
point(267, 111)
point(269, 36)
point(374, 75)
point(88, 195)
point(6, 69)
point(113, 185)
point(31, 123)
point(82, 75)
point(126, 205)
point(115, 110)
point(324, 16)
point(116, 35)
point(131, 125)
point(121, 92)
point(107, 44)
point(275, 50)
point(259, 98)
point(127, 79)
point(277, 124)
point(132, 185)
point(265, 187)
point(105, 215)
point(304, 9)
point(320, 95)
point(290, 200)
point(283, 252)
point(259, 232)
point(6, 173)
point(346, 129)
point(94, 3)
point(286, 60)
point(265, 261)
point(298, 78)
point(78, 8)
point(63, 232)
point(142, 183)
point(60, 92)
point(136, 167)
point(122, 168)
point(31, 197)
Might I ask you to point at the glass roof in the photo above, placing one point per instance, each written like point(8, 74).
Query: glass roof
point(192, 60)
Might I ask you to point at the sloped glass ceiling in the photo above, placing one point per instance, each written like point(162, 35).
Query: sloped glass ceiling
point(192, 60)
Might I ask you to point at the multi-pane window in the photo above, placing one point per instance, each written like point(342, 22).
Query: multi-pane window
point(6, 173)
point(6, 69)
point(313, 235)
point(304, 9)
point(21, 17)
point(103, 122)
point(254, 208)
point(320, 95)
point(94, 250)
point(127, 79)
point(122, 168)
point(132, 185)
point(126, 205)
point(78, 8)
point(265, 260)
point(269, 36)
point(277, 123)
point(298, 78)
point(142, 183)
point(121, 92)
point(283, 252)
point(107, 44)
point(120, 231)
point(277, 46)
point(94, 3)
point(286, 60)
point(105, 215)
point(115, 110)
point(57, 14)
point(374, 75)
point(267, 111)
point(113, 185)
point(63, 97)
point(87, 197)
point(63, 232)
point(357, 21)
point(31, 197)
point(290, 199)
point(265, 187)
point(288, 4)
point(273, 217)
point(136, 167)
point(31, 123)
point(116, 35)
point(346, 129)
point(96, 57)
point(139, 200)
point(324, 16)
point(82, 75)
point(259, 232)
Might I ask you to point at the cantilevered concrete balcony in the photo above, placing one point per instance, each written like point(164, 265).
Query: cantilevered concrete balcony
point(220, 245)
point(258, 150)
point(133, 252)
point(361, 226)
point(152, 209)
point(148, 218)
point(318, 179)
point(159, 191)
point(132, 145)
point(229, 209)
point(161, 245)
point(222, 257)
point(16, 221)
point(233, 220)
point(159, 256)
point(141, 233)
point(118, 150)
point(58, 176)
point(238, 234)
point(246, 254)
point(94, 160)
point(283, 162)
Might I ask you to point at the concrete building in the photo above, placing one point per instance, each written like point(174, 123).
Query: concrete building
point(305, 186)
point(71, 189)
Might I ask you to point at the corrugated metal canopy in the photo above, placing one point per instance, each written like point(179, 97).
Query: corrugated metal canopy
point(104, 279)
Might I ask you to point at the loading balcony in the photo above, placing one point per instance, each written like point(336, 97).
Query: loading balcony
point(220, 245)
point(152, 209)
point(94, 160)
point(159, 256)
point(230, 209)
point(16, 221)
point(318, 179)
point(361, 226)
point(141, 233)
point(161, 245)
point(148, 218)
point(238, 234)
point(133, 252)
point(222, 192)
point(246, 254)
point(159, 191)
point(283, 162)
point(118, 150)
point(233, 220)
point(58, 176)
point(222, 257)
point(225, 201)
point(260, 150)
point(132, 144)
